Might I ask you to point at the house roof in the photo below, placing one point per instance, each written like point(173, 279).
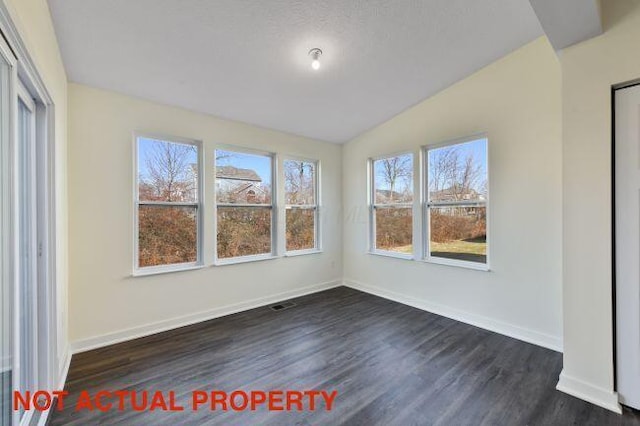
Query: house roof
point(235, 173)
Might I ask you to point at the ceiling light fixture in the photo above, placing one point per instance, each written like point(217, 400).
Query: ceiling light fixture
point(315, 54)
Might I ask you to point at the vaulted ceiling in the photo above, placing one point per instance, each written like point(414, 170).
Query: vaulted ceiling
point(247, 60)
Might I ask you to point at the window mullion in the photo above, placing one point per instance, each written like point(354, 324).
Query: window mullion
point(167, 204)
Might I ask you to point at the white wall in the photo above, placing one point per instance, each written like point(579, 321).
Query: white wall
point(106, 302)
point(33, 21)
point(516, 100)
point(589, 70)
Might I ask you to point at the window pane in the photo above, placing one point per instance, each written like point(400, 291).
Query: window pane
point(393, 179)
point(300, 229)
point(27, 279)
point(299, 182)
point(394, 229)
point(459, 233)
point(167, 171)
point(167, 235)
point(243, 178)
point(243, 231)
point(458, 172)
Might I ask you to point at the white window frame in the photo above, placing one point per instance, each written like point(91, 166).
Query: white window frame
point(426, 206)
point(273, 254)
point(316, 207)
point(175, 267)
point(373, 206)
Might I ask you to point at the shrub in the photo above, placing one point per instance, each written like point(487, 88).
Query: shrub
point(458, 224)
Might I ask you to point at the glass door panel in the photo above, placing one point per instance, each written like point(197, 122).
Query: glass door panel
point(27, 242)
point(6, 284)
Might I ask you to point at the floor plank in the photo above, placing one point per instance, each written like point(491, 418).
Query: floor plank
point(391, 365)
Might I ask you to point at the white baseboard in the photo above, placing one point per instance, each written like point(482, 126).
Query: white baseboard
point(62, 378)
point(90, 343)
point(604, 398)
point(520, 333)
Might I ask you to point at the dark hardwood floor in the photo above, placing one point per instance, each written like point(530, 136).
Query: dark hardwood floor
point(391, 365)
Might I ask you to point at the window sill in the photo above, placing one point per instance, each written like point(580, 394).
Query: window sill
point(244, 259)
point(302, 252)
point(483, 267)
point(392, 255)
point(165, 270)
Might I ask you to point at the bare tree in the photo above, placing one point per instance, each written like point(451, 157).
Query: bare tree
point(172, 175)
point(442, 168)
point(471, 173)
point(298, 177)
point(454, 173)
point(396, 170)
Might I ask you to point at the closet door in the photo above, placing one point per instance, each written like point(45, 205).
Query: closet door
point(627, 223)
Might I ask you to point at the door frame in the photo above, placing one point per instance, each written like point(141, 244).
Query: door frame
point(54, 357)
point(7, 228)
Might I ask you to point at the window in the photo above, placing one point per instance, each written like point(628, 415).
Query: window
point(300, 185)
point(392, 205)
point(167, 203)
point(244, 201)
point(456, 202)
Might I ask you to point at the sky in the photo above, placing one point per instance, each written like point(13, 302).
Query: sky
point(406, 182)
point(261, 164)
point(145, 149)
point(478, 148)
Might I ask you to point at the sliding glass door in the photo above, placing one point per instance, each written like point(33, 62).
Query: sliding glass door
point(7, 348)
point(27, 293)
point(20, 295)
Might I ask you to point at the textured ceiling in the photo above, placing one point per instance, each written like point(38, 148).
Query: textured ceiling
point(247, 59)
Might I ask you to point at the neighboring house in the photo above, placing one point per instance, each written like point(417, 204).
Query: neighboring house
point(236, 185)
point(456, 193)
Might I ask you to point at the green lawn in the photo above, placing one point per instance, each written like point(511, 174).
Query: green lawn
point(463, 247)
point(403, 249)
point(460, 246)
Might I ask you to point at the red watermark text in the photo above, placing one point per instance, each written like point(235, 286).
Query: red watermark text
point(213, 400)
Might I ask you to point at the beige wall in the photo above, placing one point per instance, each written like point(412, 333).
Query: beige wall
point(33, 21)
point(516, 101)
point(106, 302)
point(589, 71)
